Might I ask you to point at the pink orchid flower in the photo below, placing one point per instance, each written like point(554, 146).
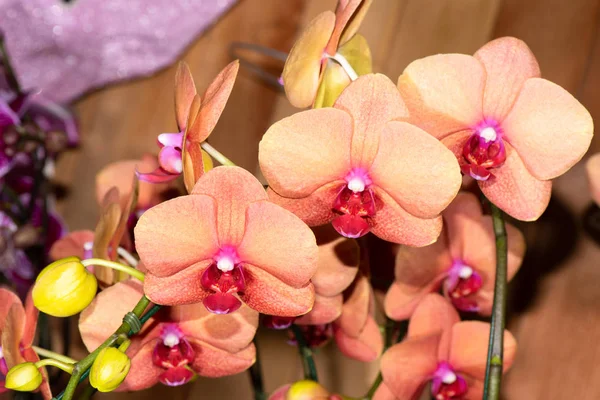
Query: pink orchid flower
point(361, 168)
point(196, 117)
point(226, 243)
point(441, 350)
point(177, 343)
point(312, 74)
point(462, 263)
point(17, 332)
point(511, 130)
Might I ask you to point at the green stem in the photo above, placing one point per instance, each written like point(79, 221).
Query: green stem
point(115, 265)
point(256, 377)
point(217, 155)
point(67, 367)
point(51, 354)
point(493, 373)
point(306, 354)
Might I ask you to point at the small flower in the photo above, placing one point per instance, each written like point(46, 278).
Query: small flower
point(301, 390)
point(64, 288)
point(226, 243)
point(441, 350)
point(462, 263)
point(24, 377)
point(361, 168)
point(109, 370)
point(177, 343)
point(511, 130)
point(311, 75)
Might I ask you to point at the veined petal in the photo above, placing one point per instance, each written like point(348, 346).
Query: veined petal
point(143, 373)
point(401, 300)
point(515, 190)
point(7, 299)
point(444, 93)
point(213, 362)
point(305, 151)
point(71, 245)
point(461, 217)
point(384, 393)
point(344, 13)
point(549, 128)
point(30, 325)
point(508, 63)
point(353, 24)
point(183, 287)
point(303, 65)
point(185, 90)
point(356, 310)
point(11, 335)
point(314, 209)
point(415, 169)
point(325, 310)
point(366, 347)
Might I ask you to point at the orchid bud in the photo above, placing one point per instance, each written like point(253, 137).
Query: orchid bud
point(23, 377)
point(64, 288)
point(109, 369)
point(307, 390)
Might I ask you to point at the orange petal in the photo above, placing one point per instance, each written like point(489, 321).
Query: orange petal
point(193, 165)
point(176, 234)
point(213, 362)
point(394, 224)
point(280, 243)
point(183, 287)
point(401, 168)
point(444, 93)
point(11, 335)
point(305, 151)
point(401, 300)
point(515, 190)
point(230, 332)
point(280, 393)
point(333, 82)
point(314, 209)
point(268, 295)
point(353, 23)
point(337, 262)
point(7, 299)
point(508, 63)
point(325, 310)
point(372, 100)
point(475, 390)
point(233, 189)
point(366, 347)
point(143, 373)
point(31, 318)
point(408, 366)
point(185, 90)
point(383, 392)
point(592, 167)
point(468, 351)
point(303, 65)
point(549, 128)
point(71, 245)
point(355, 311)
point(461, 217)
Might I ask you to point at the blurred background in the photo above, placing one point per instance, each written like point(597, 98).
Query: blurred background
point(556, 296)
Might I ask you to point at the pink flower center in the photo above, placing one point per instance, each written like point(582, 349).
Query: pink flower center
point(224, 277)
point(483, 151)
point(354, 205)
point(461, 284)
point(169, 157)
point(174, 354)
point(446, 384)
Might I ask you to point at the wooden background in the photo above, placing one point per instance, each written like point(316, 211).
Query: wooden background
point(559, 330)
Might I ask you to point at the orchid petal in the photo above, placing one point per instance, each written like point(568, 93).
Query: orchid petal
point(333, 82)
point(159, 175)
point(171, 139)
point(314, 209)
point(355, 312)
point(170, 160)
point(192, 165)
point(280, 393)
point(383, 392)
point(12, 334)
point(358, 54)
point(30, 324)
point(353, 23)
point(325, 310)
point(185, 90)
point(213, 362)
point(142, 373)
point(366, 347)
point(71, 245)
point(182, 287)
point(7, 300)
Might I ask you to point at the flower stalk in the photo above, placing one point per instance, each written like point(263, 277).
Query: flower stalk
point(306, 354)
point(343, 62)
point(217, 155)
point(493, 375)
point(50, 354)
point(67, 367)
point(116, 266)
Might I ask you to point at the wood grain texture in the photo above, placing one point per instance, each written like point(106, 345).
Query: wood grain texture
point(557, 333)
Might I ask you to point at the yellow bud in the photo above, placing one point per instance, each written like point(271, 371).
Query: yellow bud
point(64, 288)
point(23, 377)
point(109, 369)
point(307, 390)
point(207, 161)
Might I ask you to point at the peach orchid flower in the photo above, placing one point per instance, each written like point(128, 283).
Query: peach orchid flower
point(356, 165)
point(196, 118)
point(511, 130)
point(177, 343)
point(17, 332)
point(226, 240)
point(462, 262)
point(314, 73)
point(439, 349)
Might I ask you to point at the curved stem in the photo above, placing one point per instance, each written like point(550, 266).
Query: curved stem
point(493, 373)
point(256, 377)
point(217, 155)
point(340, 59)
point(127, 256)
point(67, 367)
point(308, 362)
point(51, 354)
point(115, 265)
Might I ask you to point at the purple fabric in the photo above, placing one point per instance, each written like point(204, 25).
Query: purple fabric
point(66, 49)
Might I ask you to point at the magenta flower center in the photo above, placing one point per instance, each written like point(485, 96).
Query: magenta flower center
point(169, 157)
point(484, 150)
point(446, 384)
point(174, 354)
point(461, 284)
point(225, 278)
point(354, 205)
point(3, 366)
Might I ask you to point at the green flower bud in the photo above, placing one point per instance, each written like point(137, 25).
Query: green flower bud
point(307, 390)
point(23, 377)
point(109, 369)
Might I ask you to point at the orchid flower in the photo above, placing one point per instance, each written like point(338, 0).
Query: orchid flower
point(175, 344)
point(17, 332)
point(361, 168)
point(328, 56)
point(511, 130)
point(196, 117)
point(462, 263)
point(441, 350)
point(225, 243)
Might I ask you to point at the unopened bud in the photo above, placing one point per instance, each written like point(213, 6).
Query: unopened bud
point(109, 369)
point(307, 390)
point(23, 377)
